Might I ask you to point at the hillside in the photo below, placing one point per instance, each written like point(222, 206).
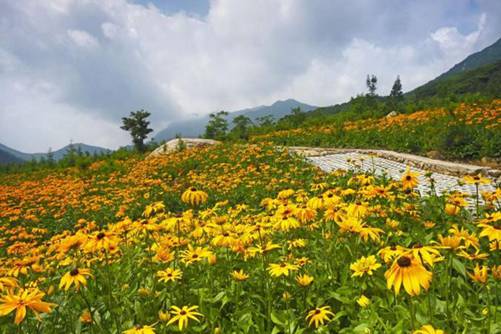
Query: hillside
point(10, 155)
point(489, 55)
point(196, 127)
point(485, 80)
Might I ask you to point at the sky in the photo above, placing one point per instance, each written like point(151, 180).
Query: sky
point(70, 69)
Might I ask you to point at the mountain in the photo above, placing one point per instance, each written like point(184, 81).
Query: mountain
point(196, 127)
point(477, 73)
point(485, 80)
point(9, 155)
point(489, 55)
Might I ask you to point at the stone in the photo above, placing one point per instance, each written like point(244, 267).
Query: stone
point(434, 155)
point(392, 114)
point(175, 145)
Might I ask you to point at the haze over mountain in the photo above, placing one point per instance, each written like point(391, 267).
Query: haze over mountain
point(10, 155)
point(196, 127)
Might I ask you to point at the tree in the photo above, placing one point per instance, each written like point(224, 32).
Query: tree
point(241, 127)
point(217, 126)
point(396, 90)
point(137, 124)
point(266, 121)
point(371, 83)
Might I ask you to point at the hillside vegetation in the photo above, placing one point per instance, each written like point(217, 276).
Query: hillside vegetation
point(463, 132)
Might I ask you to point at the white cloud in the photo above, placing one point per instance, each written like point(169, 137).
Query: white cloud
point(83, 39)
point(100, 59)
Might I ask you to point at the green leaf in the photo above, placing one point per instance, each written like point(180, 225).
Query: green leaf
point(459, 267)
point(276, 319)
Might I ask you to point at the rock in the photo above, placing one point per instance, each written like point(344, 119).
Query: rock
point(392, 114)
point(434, 155)
point(177, 144)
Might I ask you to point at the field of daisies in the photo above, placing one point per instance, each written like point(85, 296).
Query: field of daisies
point(243, 239)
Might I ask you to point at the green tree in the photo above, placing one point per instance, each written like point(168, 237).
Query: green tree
point(137, 124)
point(217, 126)
point(396, 90)
point(241, 125)
point(266, 121)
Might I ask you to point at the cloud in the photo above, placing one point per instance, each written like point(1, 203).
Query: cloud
point(96, 60)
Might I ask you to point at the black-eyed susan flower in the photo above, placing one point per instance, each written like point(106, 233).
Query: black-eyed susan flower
point(363, 301)
point(364, 265)
point(428, 329)
point(239, 275)
point(479, 274)
point(194, 197)
point(140, 330)
point(22, 300)
point(476, 179)
point(76, 277)
point(304, 280)
point(183, 315)
point(409, 179)
point(169, 275)
point(281, 269)
point(410, 273)
point(319, 316)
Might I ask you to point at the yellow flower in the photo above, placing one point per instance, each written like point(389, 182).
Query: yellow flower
point(363, 301)
point(163, 316)
point(428, 329)
point(8, 283)
point(364, 265)
point(476, 179)
point(282, 269)
point(182, 315)
point(25, 298)
point(75, 277)
point(409, 179)
point(194, 197)
point(169, 275)
point(86, 317)
point(140, 330)
point(239, 275)
point(304, 280)
point(479, 274)
point(410, 273)
point(192, 255)
point(496, 272)
point(319, 315)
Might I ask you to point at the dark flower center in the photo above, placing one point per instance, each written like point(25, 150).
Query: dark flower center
point(193, 189)
point(408, 178)
point(100, 235)
point(183, 312)
point(404, 261)
point(317, 311)
point(74, 272)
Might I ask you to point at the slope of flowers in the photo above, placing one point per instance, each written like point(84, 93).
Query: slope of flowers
point(469, 131)
point(242, 239)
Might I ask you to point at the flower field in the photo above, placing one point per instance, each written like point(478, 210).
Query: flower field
point(242, 239)
point(470, 131)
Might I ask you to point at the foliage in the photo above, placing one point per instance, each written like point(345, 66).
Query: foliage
point(137, 124)
point(217, 126)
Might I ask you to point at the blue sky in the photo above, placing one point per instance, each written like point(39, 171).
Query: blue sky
point(70, 69)
point(192, 7)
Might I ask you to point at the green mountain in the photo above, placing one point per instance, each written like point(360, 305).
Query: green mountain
point(489, 55)
point(485, 80)
point(9, 155)
point(196, 127)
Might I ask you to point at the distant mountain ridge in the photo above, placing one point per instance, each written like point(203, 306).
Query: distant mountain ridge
point(196, 127)
point(10, 155)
